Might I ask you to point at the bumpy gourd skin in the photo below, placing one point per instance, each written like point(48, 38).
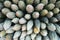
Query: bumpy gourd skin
point(29, 19)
